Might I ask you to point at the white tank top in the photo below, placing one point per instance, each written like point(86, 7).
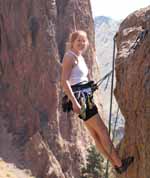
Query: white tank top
point(80, 71)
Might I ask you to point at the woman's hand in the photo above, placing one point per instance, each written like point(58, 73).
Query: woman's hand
point(76, 107)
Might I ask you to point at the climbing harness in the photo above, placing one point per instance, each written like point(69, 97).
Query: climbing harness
point(84, 94)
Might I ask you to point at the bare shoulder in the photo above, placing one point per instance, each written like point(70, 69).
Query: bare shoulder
point(67, 65)
point(69, 60)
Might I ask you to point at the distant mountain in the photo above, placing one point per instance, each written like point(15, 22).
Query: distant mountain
point(105, 29)
point(102, 19)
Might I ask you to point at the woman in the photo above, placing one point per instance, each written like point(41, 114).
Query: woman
point(78, 89)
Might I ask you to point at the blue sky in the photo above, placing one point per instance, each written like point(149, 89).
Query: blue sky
point(117, 9)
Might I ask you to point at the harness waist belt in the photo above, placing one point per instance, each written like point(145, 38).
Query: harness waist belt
point(82, 85)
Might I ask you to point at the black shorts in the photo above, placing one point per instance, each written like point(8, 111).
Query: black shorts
point(89, 113)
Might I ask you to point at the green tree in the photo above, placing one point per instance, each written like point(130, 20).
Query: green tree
point(94, 165)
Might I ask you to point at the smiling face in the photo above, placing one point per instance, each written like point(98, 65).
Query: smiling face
point(79, 41)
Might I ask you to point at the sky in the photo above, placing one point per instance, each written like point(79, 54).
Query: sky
point(117, 9)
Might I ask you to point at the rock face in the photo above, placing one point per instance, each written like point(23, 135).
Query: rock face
point(32, 42)
point(133, 90)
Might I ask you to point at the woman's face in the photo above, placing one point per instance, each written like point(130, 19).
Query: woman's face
point(80, 43)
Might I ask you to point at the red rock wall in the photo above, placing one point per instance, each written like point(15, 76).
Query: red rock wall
point(133, 91)
point(32, 42)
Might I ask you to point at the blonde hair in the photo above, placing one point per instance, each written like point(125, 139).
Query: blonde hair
point(73, 36)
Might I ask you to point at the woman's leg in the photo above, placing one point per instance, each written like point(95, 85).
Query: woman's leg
point(98, 144)
point(101, 131)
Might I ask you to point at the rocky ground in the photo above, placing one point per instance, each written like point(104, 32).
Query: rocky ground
point(10, 166)
point(9, 170)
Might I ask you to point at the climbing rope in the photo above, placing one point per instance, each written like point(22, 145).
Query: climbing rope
point(115, 125)
point(111, 99)
point(99, 82)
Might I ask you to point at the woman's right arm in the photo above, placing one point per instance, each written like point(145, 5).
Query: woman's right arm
point(67, 66)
